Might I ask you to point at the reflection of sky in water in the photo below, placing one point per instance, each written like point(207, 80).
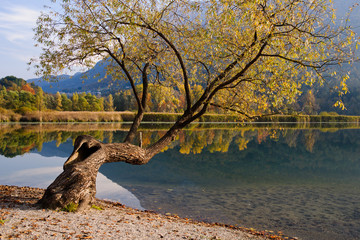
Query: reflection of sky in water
point(34, 170)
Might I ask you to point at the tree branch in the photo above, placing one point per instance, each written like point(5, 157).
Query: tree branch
point(140, 114)
point(129, 77)
point(320, 64)
point(233, 110)
point(183, 67)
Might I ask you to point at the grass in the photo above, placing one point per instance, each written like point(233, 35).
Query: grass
point(84, 116)
point(323, 118)
point(9, 116)
point(70, 116)
point(96, 207)
point(71, 207)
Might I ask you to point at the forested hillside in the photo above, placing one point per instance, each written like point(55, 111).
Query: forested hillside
point(18, 95)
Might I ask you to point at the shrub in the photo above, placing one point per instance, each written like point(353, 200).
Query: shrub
point(329, 114)
point(161, 117)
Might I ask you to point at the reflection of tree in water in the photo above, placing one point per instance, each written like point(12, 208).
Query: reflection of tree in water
point(291, 137)
point(219, 140)
point(15, 140)
point(18, 142)
point(310, 137)
point(262, 135)
point(193, 141)
point(110, 137)
point(242, 140)
point(222, 141)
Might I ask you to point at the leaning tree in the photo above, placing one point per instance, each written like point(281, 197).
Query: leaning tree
point(250, 56)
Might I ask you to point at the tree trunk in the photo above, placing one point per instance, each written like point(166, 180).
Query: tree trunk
point(77, 183)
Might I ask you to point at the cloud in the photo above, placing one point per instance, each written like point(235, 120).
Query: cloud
point(16, 22)
point(21, 54)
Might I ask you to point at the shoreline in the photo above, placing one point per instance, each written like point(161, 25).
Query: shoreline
point(21, 218)
point(163, 117)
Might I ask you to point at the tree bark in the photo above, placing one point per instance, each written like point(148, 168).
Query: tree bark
point(77, 183)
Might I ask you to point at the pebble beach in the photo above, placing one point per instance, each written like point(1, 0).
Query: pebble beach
point(21, 218)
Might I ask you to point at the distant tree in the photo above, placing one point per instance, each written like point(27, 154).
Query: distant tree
point(75, 102)
point(101, 103)
point(50, 101)
point(28, 88)
point(83, 103)
point(250, 57)
point(94, 102)
point(163, 99)
point(124, 101)
point(109, 103)
point(310, 106)
point(27, 99)
point(66, 103)
point(21, 95)
point(40, 101)
point(3, 93)
point(58, 100)
point(12, 100)
point(33, 85)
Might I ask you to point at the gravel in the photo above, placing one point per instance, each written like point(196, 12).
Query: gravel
point(21, 218)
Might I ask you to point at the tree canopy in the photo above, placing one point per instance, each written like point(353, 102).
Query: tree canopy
point(252, 57)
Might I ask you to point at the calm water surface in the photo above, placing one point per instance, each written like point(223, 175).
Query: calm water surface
point(303, 182)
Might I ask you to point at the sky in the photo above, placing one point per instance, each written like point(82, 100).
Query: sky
point(17, 19)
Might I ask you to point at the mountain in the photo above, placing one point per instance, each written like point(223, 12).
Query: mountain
point(93, 80)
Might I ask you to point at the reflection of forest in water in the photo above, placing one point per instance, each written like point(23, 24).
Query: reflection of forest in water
point(17, 139)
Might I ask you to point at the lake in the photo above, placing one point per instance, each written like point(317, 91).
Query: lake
point(304, 182)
